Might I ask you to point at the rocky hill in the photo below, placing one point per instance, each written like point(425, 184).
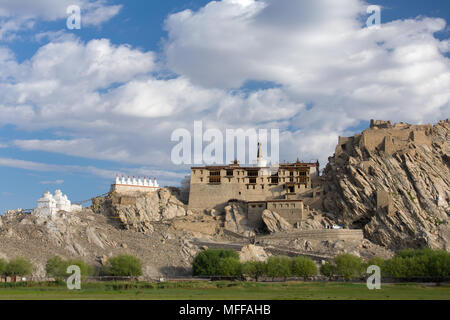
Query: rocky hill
point(394, 182)
point(391, 181)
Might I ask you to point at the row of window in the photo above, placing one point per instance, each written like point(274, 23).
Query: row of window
point(250, 173)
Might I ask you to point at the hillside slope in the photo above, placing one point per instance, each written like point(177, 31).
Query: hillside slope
point(394, 182)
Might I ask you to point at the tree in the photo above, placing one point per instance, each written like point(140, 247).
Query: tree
point(229, 267)
point(124, 265)
point(254, 269)
point(56, 267)
point(3, 264)
point(348, 266)
point(206, 263)
point(19, 267)
point(328, 269)
point(303, 267)
point(279, 267)
point(419, 263)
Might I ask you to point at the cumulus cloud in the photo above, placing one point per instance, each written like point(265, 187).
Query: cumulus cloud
point(326, 72)
point(319, 53)
point(19, 15)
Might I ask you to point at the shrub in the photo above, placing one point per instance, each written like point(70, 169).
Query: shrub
point(206, 263)
point(254, 269)
point(123, 266)
point(57, 267)
point(348, 266)
point(229, 267)
point(279, 267)
point(328, 269)
point(3, 264)
point(19, 267)
point(303, 267)
point(419, 263)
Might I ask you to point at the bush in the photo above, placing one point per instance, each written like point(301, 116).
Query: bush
point(57, 267)
point(348, 266)
point(419, 263)
point(328, 269)
point(279, 267)
point(123, 266)
point(254, 269)
point(229, 267)
point(19, 267)
point(206, 263)
point(3, 264)
point(303, 267)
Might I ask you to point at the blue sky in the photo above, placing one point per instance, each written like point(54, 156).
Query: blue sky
point(233, 63)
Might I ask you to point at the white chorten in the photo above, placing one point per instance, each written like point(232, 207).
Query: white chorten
point(49, 204)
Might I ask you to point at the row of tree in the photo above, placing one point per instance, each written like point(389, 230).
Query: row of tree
point(119, 266)
point(16, 267)
point(226, 263)
point(406, 264)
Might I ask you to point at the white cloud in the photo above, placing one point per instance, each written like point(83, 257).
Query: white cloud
point(113, 103)
point(19, 15)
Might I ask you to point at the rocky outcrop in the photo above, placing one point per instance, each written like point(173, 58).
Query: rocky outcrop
point(394, 182)
point(253, 253)
point(236, 219)
point(274, 222)
point(138, 211)
point(93, 238)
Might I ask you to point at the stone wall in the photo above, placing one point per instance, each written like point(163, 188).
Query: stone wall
point(322, 234)
point(128, 189)
point(216, 196)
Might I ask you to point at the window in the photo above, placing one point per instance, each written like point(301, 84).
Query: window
point(253, 173)
point(229, 173)
point(214, 176)
point(252, 180)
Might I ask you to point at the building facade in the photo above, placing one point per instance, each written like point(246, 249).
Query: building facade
point(262, 187)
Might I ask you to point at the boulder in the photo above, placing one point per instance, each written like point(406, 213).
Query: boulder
point(252, 253)
point(274, 222)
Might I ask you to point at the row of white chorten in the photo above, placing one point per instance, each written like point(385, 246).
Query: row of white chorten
point(144, 182)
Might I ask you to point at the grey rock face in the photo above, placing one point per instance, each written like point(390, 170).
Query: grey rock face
point(398, 191)
point(274, 222)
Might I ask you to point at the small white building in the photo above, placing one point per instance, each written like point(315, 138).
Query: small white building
point(50, 204)
point(133, 184)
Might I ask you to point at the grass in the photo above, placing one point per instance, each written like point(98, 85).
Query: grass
point(197, 290)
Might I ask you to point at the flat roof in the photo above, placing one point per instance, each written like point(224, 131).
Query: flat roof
point(280, 200)
point(281, 166)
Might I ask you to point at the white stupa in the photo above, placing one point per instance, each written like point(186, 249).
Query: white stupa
point(50, 204)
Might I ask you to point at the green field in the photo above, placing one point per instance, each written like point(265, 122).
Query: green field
point(225, 290)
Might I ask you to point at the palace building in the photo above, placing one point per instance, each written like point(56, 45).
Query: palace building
point(260, 186)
